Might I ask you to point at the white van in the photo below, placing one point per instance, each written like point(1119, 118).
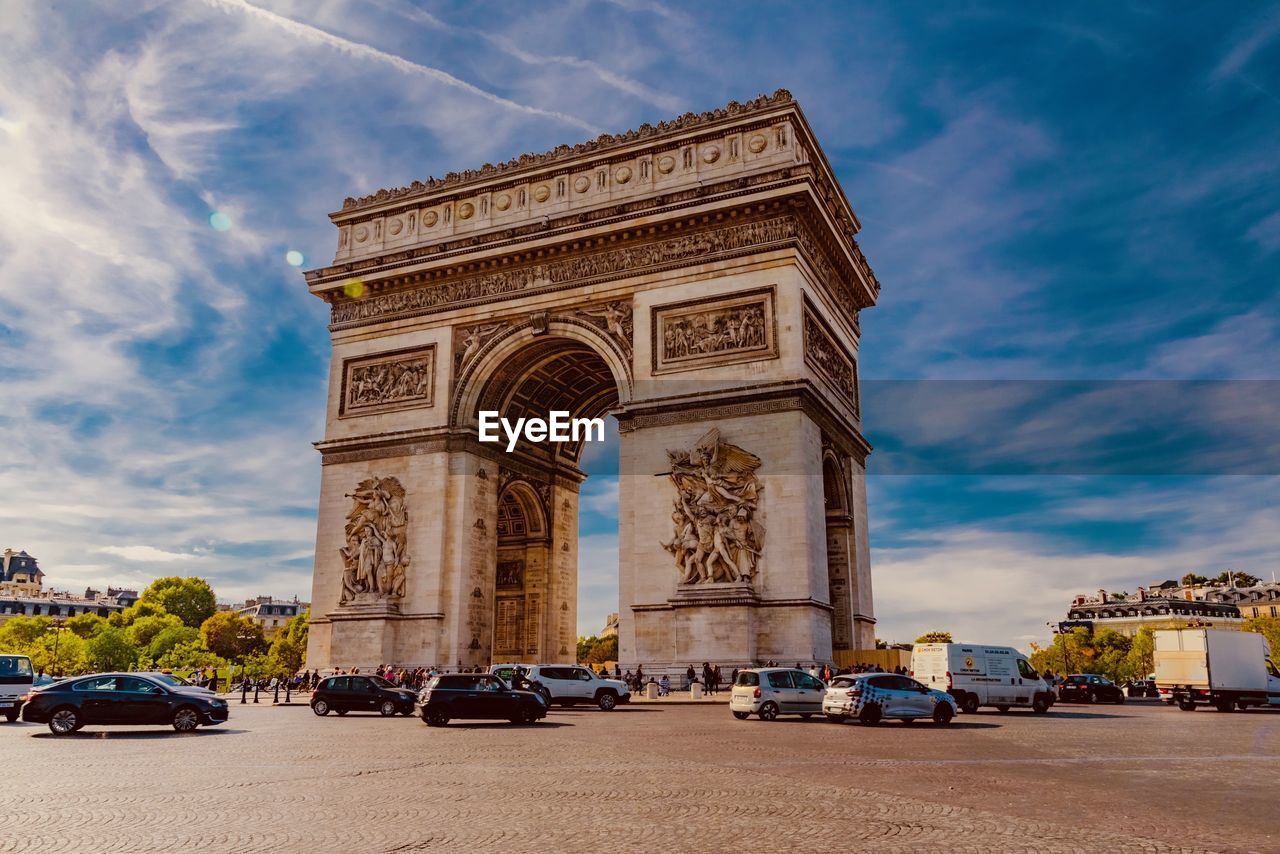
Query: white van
point(976, 676)
point(15, 683)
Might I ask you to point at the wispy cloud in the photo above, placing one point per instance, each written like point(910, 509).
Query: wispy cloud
point(363, 51)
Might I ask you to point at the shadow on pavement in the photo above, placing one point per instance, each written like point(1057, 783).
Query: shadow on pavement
point(137, 734)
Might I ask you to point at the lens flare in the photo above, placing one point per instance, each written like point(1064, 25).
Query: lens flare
point(219, 221)
point(353, 288)
point(294, 257)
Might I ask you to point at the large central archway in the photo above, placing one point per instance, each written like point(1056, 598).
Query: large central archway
point(530, 372)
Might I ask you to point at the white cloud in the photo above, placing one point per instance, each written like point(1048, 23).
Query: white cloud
point(146, 554)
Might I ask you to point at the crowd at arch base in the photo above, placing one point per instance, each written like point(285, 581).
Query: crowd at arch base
point(709, 676)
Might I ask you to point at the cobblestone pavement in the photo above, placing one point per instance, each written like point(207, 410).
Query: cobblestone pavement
point(647, 778)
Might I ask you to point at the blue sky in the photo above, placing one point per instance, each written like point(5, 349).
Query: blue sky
point(1087, 193)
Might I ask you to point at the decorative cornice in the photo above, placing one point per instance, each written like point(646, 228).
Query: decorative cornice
point(601, 144)
point(675, 248)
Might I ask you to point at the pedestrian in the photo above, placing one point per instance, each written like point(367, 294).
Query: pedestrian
point(733, 677)
point(706, 676)
point(664, 686)
point(715, 679)
point(689, 676)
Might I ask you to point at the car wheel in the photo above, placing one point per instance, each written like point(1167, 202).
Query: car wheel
point(320, 707)
point(870, 715)
point(1087, 697)
point(942, 714)
point(1187, 704)
point(186, 719)
point(1225, 706)
point(437, 719)
point(342, 712)
point(837, 719)
point(531, 716)
point(769, 712)
point(1119, 699)
point(387, 708)
point(607, 701)
point(742, 716)
point(1040, 705)
point(11, 715)
point(64, 721)
point(970, 704)
point(1004, 710)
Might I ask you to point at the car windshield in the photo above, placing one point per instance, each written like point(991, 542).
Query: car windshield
point(14, 665)
point(380, 682)
point(748, 679)
point(169, 679)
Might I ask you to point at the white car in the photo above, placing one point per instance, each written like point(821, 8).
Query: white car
point(872, 697)
point(568, 684)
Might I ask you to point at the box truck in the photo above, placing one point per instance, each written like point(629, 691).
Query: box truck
point(977, 675)
point(1225, 669)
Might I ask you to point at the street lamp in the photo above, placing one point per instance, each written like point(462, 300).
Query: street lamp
point(57, 634)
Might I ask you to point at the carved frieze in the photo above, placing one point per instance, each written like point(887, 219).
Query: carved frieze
point(510, 573)
point(374, 557)
point(825, 355)
point(404, 379)
point(716, 536)
point(705, 245)
point(702, 333)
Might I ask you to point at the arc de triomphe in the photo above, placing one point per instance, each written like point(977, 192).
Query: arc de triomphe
point(700, 280)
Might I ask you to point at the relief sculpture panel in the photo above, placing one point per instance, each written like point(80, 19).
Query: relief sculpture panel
point(710, 332)
point(716, 535)
point(389, 381)
point(828, 358)
point(374, 558)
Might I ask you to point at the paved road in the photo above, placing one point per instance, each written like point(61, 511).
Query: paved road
point(685, 778)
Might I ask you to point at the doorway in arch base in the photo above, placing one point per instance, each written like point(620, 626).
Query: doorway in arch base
point(703, 286)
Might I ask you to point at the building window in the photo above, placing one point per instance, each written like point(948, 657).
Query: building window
point(1273, 610)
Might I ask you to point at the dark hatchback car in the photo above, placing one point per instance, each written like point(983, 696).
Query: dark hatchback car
point(344, 694)
point(121, 698)
point(1089, 688)
point(478, 696)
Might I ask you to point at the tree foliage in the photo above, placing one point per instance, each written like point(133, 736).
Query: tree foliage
point(1267, 626)
point(189, 599)
point(230, 636)
point(935, 637)
point(110, 649)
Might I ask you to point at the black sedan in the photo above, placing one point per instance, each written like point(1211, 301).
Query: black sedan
point(121, 698)
point(478, 696)
point(344, 694)
point(1089, 688)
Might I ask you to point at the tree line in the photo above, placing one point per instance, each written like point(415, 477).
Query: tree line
point(174, 625)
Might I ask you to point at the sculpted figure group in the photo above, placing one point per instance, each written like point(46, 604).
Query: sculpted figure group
point(374, 557)
point(716, 537)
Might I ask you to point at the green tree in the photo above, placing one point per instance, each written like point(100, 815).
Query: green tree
point(58, 653)
point(230, 636)
point(1240, 579)
point(85, 625)
point(604, 649)
point(136, 611)
point(289, 647)
point(171, 637)
point(190, 655)
point(145, 629)
point(189, 599)
point(585, 646)
point(18, 633)
point(1191, 579)
point(1141, 659)
point(935, 637)
point(110, 649)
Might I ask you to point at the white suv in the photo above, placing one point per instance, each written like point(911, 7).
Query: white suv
point(567, 684)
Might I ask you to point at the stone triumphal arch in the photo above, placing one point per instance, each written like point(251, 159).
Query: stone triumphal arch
point(698, 279)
